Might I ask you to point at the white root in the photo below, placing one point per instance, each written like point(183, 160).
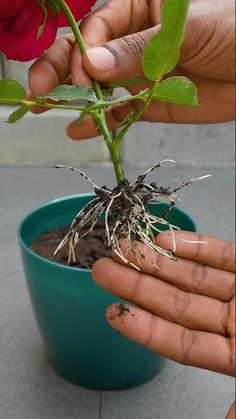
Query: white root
point(157, 165)
point(124, 210)
point(74, 169)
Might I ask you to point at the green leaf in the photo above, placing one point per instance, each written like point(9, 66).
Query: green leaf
point(18, 114)
point(72, 93)
point(11, 91)
point(179, 90)
point(163, 50)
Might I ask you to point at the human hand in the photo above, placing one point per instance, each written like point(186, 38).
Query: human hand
point(124, 27)
point(185, 310)
point(231, 412)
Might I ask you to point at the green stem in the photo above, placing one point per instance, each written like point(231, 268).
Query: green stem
point(99, 115)
point(135, 117)
point(47, 105)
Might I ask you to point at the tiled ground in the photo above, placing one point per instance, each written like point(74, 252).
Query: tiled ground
point(29, 389)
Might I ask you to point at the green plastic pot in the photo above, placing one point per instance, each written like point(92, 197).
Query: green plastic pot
point(69, 308)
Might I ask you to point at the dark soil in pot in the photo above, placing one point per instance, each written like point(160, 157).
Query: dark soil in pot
point(87, 252)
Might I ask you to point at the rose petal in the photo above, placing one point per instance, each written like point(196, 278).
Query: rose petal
point(18, 40)
point(10, 8)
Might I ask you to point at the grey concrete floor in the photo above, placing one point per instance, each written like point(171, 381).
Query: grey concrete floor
point(29, 388)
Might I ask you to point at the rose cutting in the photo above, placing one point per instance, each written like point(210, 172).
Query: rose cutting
point(27, 29)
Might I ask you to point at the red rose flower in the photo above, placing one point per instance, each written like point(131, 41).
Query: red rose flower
point(18, 33)
point(10, 8)
point(20, 21)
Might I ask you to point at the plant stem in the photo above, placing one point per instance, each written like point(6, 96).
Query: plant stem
point(135, 117)
point(99, 116)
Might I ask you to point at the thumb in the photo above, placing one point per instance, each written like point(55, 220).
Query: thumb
point(118, 59)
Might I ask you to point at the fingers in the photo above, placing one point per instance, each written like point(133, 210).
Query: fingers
point(199, 349)
point(214, 252)
point(112, 21)
point(186, 272)
point(231, 412)
point(209, 45)
point(52, 68)
point(120, 59)
point(117, 47)
point(116, 19)
point(193, 311)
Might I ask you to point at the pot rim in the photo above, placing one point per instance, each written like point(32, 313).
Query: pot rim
point(55, 201)
point(34, 212)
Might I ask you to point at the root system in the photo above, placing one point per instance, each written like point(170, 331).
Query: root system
point(126, 215)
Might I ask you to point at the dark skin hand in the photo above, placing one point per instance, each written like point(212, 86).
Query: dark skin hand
point(186, 310)
point(123, 27)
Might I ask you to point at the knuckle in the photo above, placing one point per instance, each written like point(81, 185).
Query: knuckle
point(188, 339)
point(151, 331)
point(170, 112)
point(134, 45)
point(230, 356)
point(136, 292)
point(199, 274)
point(181, 304)
point(116, 114)
point(231, 293)
point(228, 254)
point(105, 24)
point(225, 314)
point(229, 320)
point(198, 250)
point(98, 20)
point(130, 46)
point(120, 112)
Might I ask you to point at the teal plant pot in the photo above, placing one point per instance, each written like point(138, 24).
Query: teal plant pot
point(70, 309)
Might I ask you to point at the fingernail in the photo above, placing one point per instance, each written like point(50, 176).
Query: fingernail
point(101, 58)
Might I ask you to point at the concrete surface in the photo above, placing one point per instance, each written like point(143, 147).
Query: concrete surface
point(209, 145)
point(29, 388)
